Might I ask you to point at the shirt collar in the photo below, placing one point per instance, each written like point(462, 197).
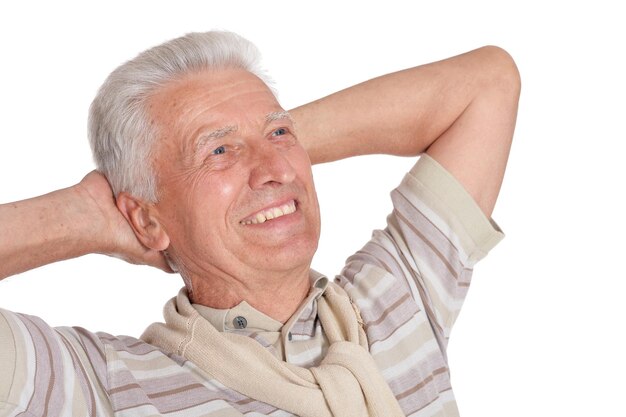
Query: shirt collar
point(244, 316)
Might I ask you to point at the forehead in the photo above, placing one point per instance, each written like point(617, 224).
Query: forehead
point(217, 97)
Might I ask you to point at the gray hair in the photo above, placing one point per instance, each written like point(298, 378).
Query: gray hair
point(120, 133)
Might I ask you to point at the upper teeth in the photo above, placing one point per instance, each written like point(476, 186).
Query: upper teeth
point(271, 213)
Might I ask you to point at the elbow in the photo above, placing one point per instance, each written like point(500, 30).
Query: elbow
point(500, 71)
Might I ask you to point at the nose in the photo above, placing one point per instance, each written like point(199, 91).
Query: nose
point(270, 167)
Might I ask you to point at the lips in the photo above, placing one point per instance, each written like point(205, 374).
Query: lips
point(270, 213)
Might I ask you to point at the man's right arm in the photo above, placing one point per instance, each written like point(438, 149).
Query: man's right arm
point(66, 224)
point(460, 110)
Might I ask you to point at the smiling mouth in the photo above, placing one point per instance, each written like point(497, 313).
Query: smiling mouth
point(270, 213)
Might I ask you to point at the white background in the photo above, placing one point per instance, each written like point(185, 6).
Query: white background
point(541, 333)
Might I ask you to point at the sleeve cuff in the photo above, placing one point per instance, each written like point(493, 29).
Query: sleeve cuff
point(7, 360)
point(435, 187)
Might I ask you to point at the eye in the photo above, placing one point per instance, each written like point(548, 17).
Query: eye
point(218, 151)
point(279, 132)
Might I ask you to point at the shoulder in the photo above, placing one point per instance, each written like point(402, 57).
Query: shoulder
point(41, 364)
point(432, 200)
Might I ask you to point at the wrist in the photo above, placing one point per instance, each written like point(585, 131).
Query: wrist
point(40, 231)
point(87, 222)
point(72, 226)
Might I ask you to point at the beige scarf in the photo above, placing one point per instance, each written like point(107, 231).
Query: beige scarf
point(347, 382)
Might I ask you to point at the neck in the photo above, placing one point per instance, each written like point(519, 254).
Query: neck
point(276, 295)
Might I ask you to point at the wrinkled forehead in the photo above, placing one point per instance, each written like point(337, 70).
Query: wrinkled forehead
point(209, 104)
point(230, 96)
point(207, 87)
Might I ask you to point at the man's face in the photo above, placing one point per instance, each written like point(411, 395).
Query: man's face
point(236, 193)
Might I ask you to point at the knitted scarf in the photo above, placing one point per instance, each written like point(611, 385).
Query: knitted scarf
point(346, 383)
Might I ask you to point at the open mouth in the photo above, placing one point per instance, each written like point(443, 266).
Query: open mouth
point(271, 213)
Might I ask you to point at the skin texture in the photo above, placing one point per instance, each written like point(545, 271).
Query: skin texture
point(227, 151)
point(461, 111)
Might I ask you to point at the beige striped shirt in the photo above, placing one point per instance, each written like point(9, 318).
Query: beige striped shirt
point(408, 281)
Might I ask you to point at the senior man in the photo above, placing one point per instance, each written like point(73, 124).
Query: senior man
point(212, 178)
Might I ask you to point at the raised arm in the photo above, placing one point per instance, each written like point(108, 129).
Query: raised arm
point(66, 224)
point(461, 111)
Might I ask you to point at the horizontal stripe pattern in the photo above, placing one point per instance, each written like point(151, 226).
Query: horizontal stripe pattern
point(408, 283)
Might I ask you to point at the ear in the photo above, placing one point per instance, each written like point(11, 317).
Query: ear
point(142, 218)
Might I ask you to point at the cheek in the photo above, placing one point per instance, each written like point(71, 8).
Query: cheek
point(211, 200)
point(225, 191)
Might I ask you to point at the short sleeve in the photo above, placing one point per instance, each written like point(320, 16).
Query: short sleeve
point(48, 371)
point(434, 236)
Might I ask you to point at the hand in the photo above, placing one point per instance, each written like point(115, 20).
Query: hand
point(114, 233)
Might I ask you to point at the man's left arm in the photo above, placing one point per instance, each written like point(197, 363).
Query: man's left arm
point(68, 223)
point(461, 111)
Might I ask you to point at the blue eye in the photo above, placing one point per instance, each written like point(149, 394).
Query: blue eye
point(219, 150)
point(279, 132)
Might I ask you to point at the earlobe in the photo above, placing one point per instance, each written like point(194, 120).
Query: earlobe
point(141, 217)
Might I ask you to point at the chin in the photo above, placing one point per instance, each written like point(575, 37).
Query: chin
point(296, 255)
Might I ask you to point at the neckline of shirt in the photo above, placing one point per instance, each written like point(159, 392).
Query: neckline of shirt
point(245, 317)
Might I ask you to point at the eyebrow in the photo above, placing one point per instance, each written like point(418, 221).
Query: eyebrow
point(221, 132)
point(216, 134)
point(278, 115)
point(227, 130)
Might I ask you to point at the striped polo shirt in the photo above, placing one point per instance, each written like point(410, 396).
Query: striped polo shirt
point(408, 283)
